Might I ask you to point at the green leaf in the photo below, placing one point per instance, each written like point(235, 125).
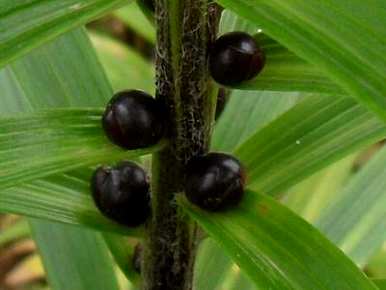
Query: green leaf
point(53, 141)
point(230, 22)
point(345, 39)
point(63, 73)
point(29, 23)
point(283, 70)
point(74, 258)
point(12, 98)
point(60, 198)
point(224, 274)
point(124, 67)
point(311, 197)
point(133, 16)
point(252, 110)
point(315, 133)
point(355, 220)
point(210, 257)
point(277, 249)
point(41, 81)
point(123, 252)
point(381, 283)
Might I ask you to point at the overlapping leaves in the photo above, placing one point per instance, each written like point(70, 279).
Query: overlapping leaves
point(334, 36)
point(27, 24)
point(277, 249)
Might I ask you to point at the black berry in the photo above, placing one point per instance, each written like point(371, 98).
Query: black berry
point(235, 57)
point(214, 181)
point(133, 119)
point(122, 193)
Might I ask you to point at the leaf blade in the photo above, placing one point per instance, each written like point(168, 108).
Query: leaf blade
point(66, 272)
point(284, 71)
point(44, 79)
point(320, 129)
point(133, 16)
point(124, 66)
point(59, 198)
point(277, 249)
point(44, 143)
point(325, 34)
point(355, 219)
point(28, 24)
point(252, 110)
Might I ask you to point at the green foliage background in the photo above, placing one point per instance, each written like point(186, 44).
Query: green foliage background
point(308, 221)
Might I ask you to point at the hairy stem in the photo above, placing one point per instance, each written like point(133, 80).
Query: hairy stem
point(184, 32)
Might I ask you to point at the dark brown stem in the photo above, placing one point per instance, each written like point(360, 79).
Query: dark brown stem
point(184, 32)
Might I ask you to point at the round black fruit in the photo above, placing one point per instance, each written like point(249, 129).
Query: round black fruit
point(235, 57)
point(214, 181)
point(133, 119)
point(122, 193)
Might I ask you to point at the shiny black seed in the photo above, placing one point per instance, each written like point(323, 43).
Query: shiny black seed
point(133, 119)
point(122, 193)
point(214, 181)
point(235, 57)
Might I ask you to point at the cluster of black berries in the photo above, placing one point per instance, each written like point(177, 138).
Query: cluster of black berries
point(133, 119)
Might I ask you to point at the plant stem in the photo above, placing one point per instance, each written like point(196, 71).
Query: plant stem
point(184, 32)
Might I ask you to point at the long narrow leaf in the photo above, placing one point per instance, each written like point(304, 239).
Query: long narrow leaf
point(310, 197)
point(310, 136)
point(91, 268)
point(27, 24)
point(223, 272)
point(61, 74)
point(283, 70)
point(381, 283)
point(124, 66)
point(252, 110)
point(53, 141)
point(60, 198)
point(230, 22)
point(123, 253)
point(332, 35)
point(277, 249)
point(355, 221)
point(133, 16)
